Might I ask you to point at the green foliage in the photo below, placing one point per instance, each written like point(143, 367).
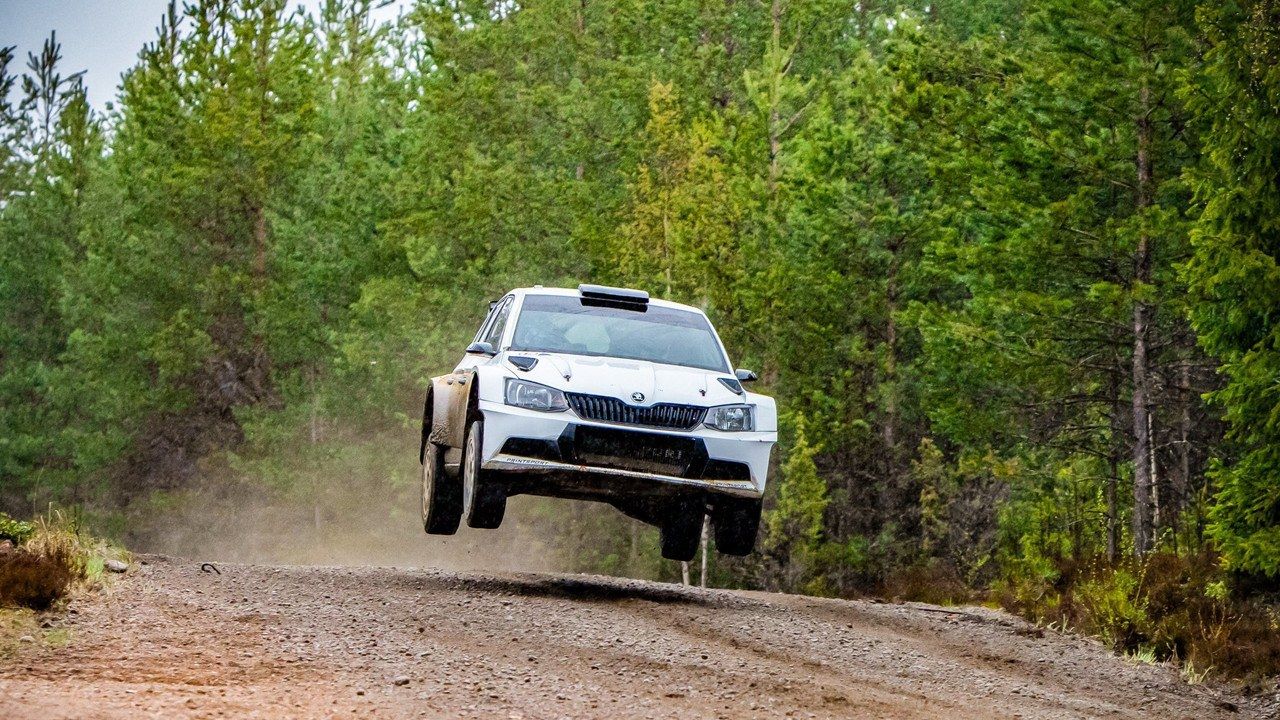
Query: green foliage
point(679, 236)
point(1114, 608)
point(15, 531)
point(989, 260)
point(1164, 607)
point(1234, 275)
point(795, 525)
point(930, 473)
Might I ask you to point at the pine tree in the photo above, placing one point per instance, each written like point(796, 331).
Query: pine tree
point(680, 231)
point(1066, 241)
point(167, 306)
point(1234, 274)
point(795, 525)
point(53, 143)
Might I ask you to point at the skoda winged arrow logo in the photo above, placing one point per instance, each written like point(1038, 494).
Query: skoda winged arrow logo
point(637, 397)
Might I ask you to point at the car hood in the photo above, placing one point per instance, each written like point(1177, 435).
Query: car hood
point(618, 378)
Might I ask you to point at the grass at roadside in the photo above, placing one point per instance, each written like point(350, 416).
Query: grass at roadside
point(42, 564)
point(1181, 609)
point(1162, 608)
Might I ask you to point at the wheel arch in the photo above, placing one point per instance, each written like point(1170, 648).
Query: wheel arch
point(487, 383)
point(455, 403)
point(426, 424)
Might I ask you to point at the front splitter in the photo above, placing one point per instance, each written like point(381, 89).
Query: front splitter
point(515, 463)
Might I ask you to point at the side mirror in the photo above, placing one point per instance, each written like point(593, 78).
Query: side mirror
point(745, 375)
point(481, 348)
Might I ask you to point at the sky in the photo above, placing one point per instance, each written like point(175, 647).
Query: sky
point(101, 37)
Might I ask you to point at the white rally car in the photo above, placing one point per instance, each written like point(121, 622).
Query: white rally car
point(599, 394)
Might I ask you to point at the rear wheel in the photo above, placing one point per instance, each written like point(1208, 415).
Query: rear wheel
point(736, 522)
point(484, 501)
point(680, 532)
point(441, 494)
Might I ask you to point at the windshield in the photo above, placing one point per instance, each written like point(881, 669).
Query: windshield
point(563, 324)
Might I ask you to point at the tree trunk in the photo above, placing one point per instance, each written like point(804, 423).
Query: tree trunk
point(775, 115)
point(1113, 524)
point(706, 525)
point(633, 551)
point(1142, 480)
point(260, 247)
point(580, 23)
point(668, 253)
point(315, 438)
point(577, 542)
point(1183, 487)
point(1157, 517)
point(893, 496)
point(725, 97)
point(890, 430)
point(1113, 462)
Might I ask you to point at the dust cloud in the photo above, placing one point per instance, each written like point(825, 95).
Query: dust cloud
point(354, 498)
point(345, 521)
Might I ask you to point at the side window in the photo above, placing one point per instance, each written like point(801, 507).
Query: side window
point(493, 310)
point(500, 315)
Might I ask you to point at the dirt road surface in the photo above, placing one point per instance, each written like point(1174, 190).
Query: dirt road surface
point(170, 641)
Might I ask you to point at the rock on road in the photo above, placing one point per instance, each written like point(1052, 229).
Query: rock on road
point(258, 641)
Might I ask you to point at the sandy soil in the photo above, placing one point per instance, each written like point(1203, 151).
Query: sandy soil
point(258, 641)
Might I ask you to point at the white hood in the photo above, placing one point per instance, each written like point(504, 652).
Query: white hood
point(618, 378)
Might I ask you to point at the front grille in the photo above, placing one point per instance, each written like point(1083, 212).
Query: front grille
point(662, 415)
point(646, 452)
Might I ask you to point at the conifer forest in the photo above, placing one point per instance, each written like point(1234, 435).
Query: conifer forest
point(1011, 269)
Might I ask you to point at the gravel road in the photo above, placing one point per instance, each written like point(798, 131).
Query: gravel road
point(260, 641)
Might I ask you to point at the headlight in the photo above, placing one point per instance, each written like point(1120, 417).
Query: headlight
point(731, 418)
point(533, 396)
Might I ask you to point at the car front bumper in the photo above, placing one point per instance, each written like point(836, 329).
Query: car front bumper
point(527, 441)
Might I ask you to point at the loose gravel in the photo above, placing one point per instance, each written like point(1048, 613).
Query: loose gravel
point(170, 641)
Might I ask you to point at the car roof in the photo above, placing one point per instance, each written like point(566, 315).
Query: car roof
point(573, 292)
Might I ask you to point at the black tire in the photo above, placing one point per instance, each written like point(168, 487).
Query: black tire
point(736, 523)
point(441, 494)
point(484, 501)
point(681, 531)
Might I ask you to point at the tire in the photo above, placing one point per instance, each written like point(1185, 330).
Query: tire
point(736, 522)
point(484, 501)
point(441, 494)
point(680, 532)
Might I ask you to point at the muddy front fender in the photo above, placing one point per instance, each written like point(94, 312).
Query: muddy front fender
point(451, 398)
point(454, 400)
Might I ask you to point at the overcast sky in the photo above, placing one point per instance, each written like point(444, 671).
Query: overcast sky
point(101, 37)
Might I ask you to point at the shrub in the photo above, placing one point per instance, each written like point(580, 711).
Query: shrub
point(36, 580)
point(56, 536)
point(1108, 603)
point(52, 558)
point(15, 531)
point(1167, 607)
point(936, 583)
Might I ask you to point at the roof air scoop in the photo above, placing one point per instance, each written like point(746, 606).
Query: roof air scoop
point(613, 294)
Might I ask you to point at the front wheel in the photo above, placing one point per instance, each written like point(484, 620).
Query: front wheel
point(680, 532)
point(736, 522)
point(441, 494)
point(484, 501)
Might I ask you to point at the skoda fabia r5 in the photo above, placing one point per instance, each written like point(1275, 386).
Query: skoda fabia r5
point(599, 394)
